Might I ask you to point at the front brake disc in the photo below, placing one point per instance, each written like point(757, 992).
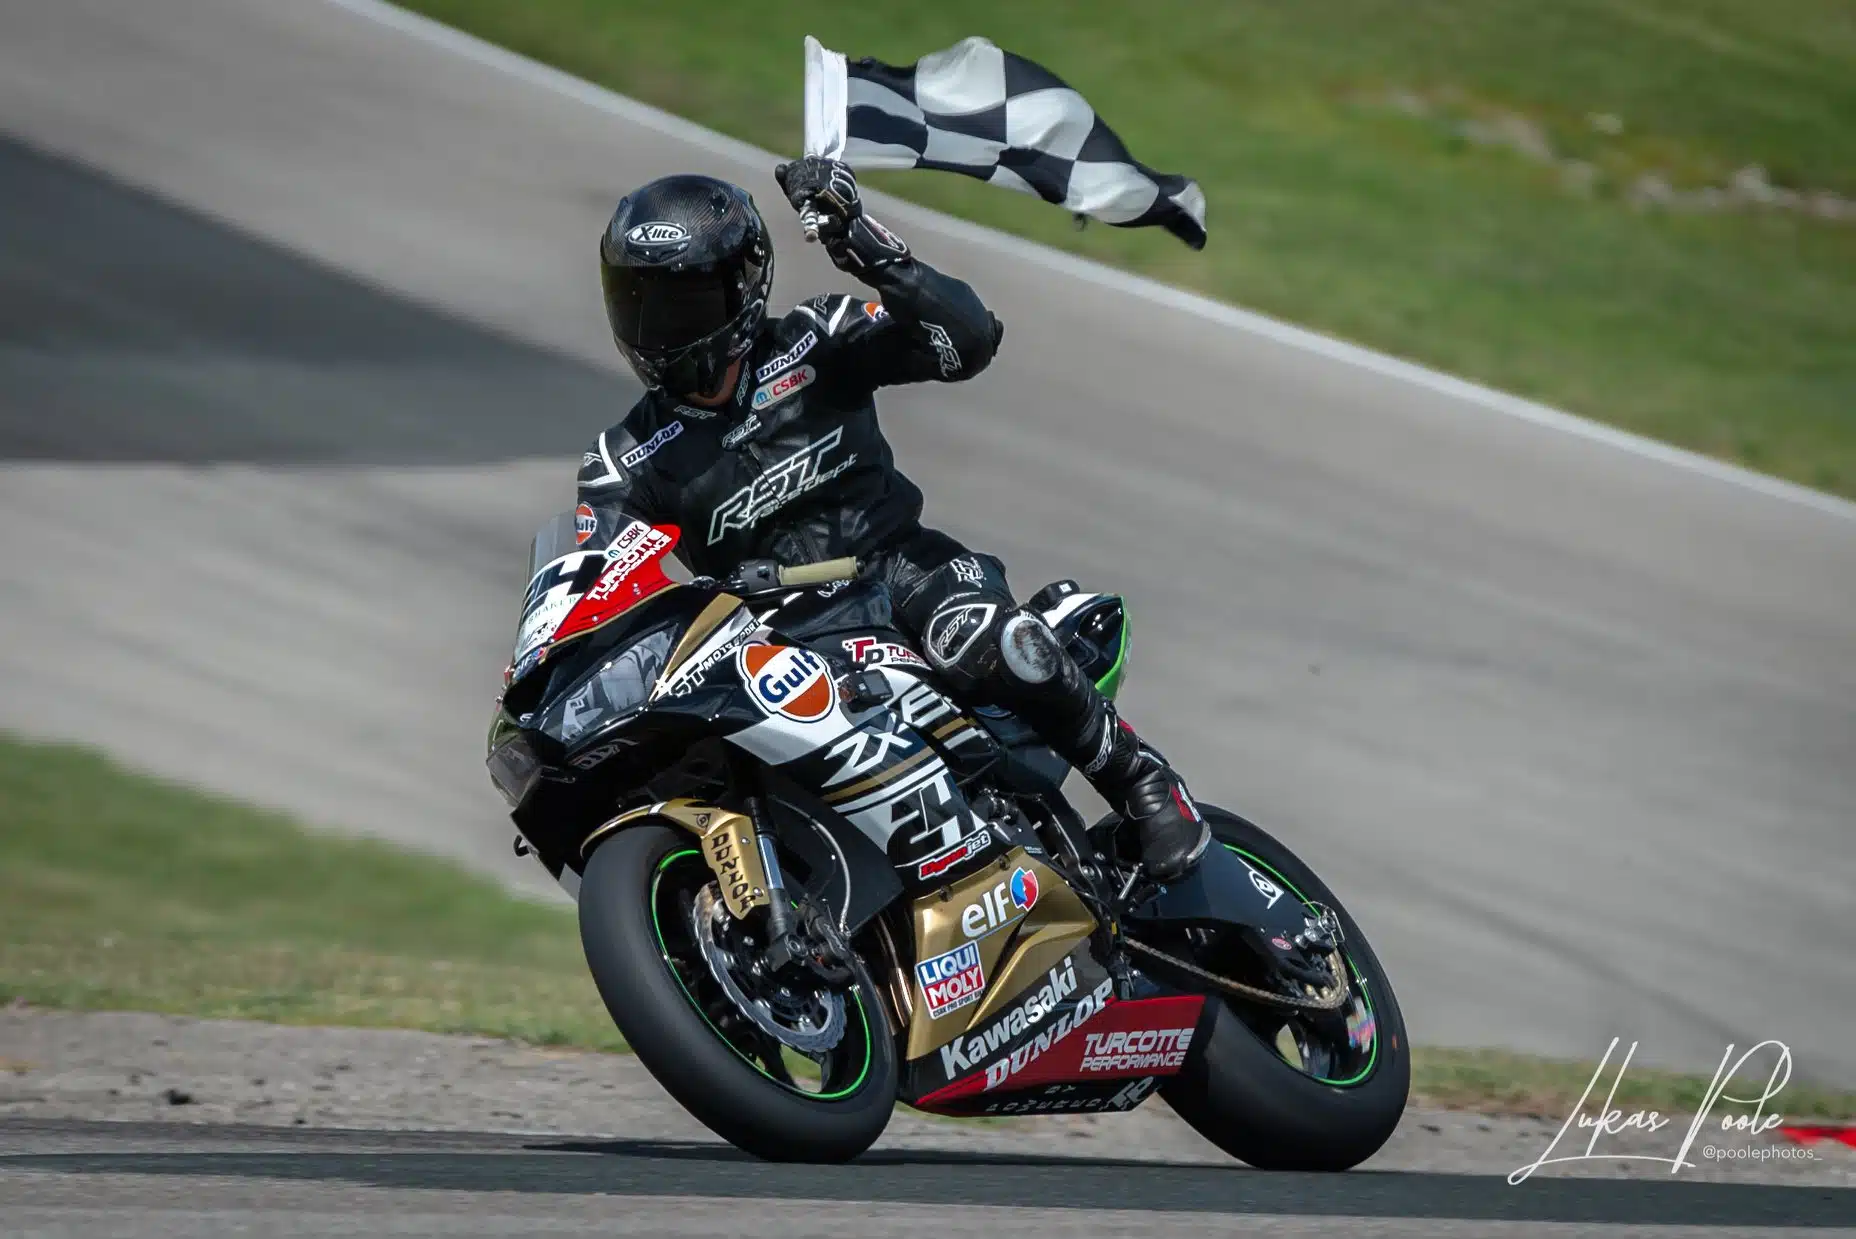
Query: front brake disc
point(710, 920)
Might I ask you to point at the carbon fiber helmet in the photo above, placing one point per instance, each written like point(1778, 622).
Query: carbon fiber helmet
point(687, 267)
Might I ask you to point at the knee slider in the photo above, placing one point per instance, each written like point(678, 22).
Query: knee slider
point(1028, 649)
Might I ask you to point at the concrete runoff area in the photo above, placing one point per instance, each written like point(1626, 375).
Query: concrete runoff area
point(300, 339)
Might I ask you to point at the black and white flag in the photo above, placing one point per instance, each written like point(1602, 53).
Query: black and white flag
point(983, 112)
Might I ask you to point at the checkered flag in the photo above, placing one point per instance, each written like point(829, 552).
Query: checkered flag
point(983, 112)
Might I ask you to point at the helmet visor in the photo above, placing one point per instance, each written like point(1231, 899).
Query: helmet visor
point(656, 308)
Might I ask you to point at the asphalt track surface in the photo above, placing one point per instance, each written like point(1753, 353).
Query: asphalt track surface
point(95, 1178)
point(299, 339)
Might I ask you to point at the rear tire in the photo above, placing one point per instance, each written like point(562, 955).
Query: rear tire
point(653, 998)
point(1243, 1095)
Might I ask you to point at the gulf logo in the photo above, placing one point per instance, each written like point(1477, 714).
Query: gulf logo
point(586, 524)
point(787, 681)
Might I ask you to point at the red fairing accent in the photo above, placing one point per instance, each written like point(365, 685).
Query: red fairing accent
point(1145, 1037)
point(627, 581)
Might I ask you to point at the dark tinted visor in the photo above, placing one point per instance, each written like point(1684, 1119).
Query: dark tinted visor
point(663, 309)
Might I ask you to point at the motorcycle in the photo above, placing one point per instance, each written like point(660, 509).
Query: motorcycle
point(811, 885)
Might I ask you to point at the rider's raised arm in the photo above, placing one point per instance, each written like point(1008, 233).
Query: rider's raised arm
point(922, 324)
point(925, 326)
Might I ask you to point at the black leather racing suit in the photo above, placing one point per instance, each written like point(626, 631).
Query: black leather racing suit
point(795, 467)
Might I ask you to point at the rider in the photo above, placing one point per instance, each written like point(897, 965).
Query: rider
point(759, 438)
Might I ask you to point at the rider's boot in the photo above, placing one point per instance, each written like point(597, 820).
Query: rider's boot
point(1075, 719)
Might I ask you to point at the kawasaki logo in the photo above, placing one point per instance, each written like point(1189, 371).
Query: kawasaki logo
point(1087, 1008)
point(964, 1054)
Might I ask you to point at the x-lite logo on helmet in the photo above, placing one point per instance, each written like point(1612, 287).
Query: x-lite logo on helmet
point(657, 241)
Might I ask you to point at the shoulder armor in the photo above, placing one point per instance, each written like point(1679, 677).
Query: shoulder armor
point(624, 447)
point(839, 314)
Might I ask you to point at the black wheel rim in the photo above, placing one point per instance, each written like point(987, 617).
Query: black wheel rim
point(1336, 1048)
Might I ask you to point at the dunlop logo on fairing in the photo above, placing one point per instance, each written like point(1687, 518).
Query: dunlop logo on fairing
point(1088, 1007)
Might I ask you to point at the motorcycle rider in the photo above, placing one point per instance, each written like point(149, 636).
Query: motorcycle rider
point(759, 437)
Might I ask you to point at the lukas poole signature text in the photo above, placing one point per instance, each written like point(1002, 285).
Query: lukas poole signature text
point(1607, 1120)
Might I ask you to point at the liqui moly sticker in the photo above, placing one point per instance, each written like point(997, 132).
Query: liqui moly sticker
point(787, 681)
point(952, 980)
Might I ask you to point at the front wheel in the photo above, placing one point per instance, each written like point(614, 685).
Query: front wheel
point(785, 1068)
point(1285, 1090)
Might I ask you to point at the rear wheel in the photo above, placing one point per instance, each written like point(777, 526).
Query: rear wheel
point(1296, 1090)
point(787, 1067)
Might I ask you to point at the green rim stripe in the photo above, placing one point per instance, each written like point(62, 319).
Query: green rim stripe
point(664, 951)
point(1373, 1058)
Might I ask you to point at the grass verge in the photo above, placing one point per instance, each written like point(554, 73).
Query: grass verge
point(120, 892)
point(1560, 200)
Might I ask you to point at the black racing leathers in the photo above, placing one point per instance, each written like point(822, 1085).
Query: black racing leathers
point(795, 467)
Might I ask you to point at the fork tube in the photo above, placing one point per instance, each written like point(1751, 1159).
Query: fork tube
point(779, 908)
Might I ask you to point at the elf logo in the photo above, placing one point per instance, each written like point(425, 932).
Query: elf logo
point(1006, 903)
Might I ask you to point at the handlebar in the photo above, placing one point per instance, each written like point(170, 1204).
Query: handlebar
point(760, 576)
point(820, 573)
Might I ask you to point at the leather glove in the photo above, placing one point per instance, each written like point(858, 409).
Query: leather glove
point(824, 192)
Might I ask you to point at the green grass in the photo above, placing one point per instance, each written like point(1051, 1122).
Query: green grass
point(120, 892)
point(1344, 194)
point(1501, 1082)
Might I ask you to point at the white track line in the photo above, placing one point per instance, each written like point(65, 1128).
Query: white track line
point(1487, 398)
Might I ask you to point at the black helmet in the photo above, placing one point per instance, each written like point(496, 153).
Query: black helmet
point(687, 267)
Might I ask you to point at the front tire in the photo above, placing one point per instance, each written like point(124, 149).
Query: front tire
point(1242, 1091)
point(635, 928)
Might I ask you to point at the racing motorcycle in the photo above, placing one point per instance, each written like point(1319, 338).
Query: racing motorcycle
point(811, 885)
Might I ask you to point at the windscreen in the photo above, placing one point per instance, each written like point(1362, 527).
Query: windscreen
point(553, 540)
point(559, 536)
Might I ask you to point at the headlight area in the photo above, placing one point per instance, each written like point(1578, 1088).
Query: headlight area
point(617, 689)
point(514, 769)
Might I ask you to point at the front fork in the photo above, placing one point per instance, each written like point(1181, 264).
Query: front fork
point(779, 907)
